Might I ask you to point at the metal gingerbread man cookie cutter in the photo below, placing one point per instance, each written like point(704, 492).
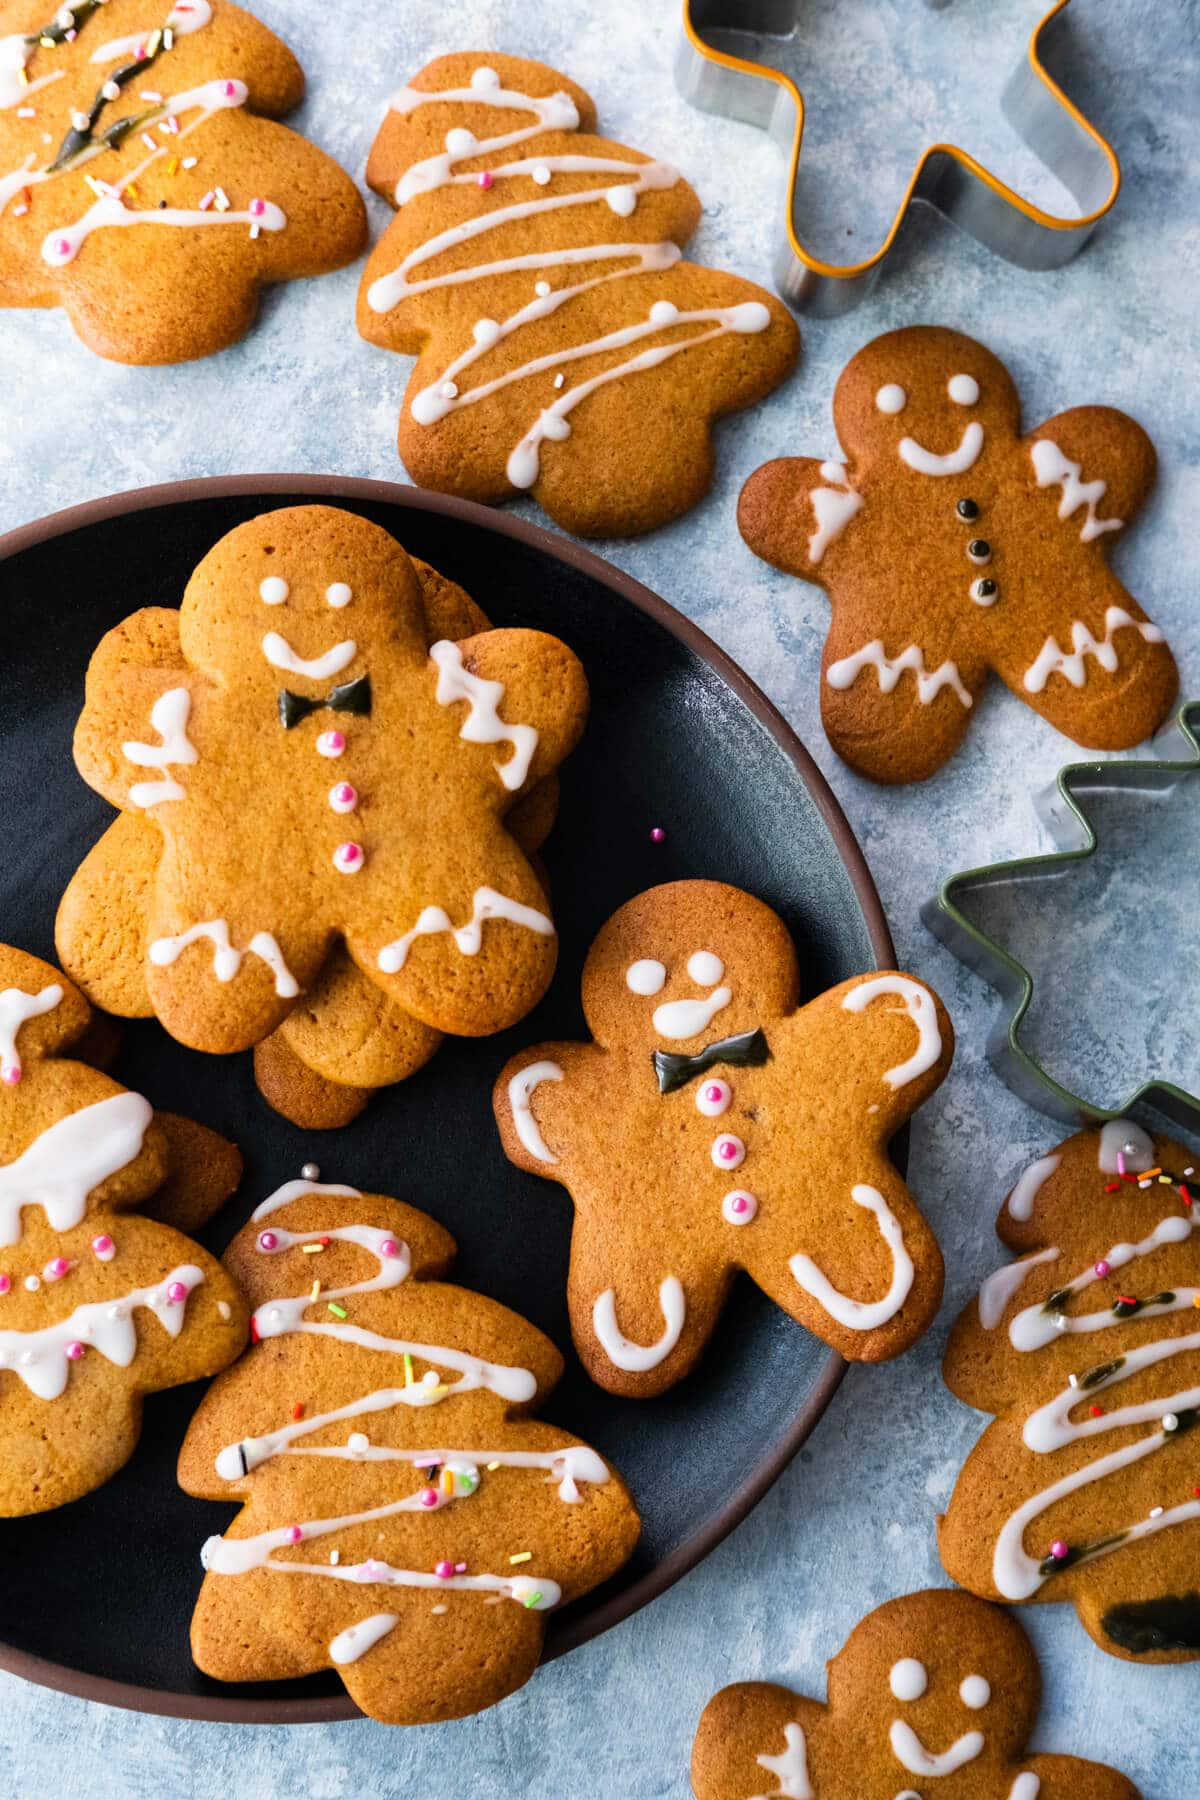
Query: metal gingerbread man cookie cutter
point(1174, 759)
point(945, 176)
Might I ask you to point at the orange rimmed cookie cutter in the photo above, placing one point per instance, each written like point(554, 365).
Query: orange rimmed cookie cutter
point(945, 177)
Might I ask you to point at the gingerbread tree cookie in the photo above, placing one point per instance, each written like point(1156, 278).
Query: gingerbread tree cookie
point(1087, 1349)
point(135, 113)
point(951, 545)
point(535, 270)
point(404, 1521)
point(934, 1693)
point(98, 1306)
point(300, 654)
point(714, 1126)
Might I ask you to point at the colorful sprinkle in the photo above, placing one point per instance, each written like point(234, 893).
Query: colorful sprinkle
point(75, 1350)
point(658, 835)
point(389, 1247)
point(522, 1556)
point(532, 1600)
point(485, 179)
point(56, 1268)
point(267, 1240)
point(339, 1312)
point(1097, 1412)
point(1170, 1422)
point(428, 1496)
point(5, 1284)
point(294, 1534)
point(176, 1293)
point(1059, 1550)
point(103, 1247)
point(298, 1410)
point(348, 858)
point(443, 1570)
point(1102, 1269)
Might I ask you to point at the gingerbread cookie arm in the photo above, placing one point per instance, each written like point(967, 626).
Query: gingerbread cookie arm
point(299, 1094)
point(755, 1738)
point(100, 932)
point(525, 697)
point(1096, 467)
point(1071, 1778)
point(793, 512)
point(538, 1099)
point(204, 1170)
point(132, 734)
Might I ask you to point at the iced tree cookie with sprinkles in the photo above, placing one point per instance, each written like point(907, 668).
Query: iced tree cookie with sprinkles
point(951, 545)
point(99, 1304)
point(1086, 1347)
point(714, 1124)
point(327, 788)
point(404, 1520)
point(145, 186)
point(933, 1696)
point(536, 271)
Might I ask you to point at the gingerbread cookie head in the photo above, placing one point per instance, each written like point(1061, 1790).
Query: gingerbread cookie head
point(951, 546)
point(1086, 1349)
point(404, 1520)
point(689, 1131)
point(144, 185)
point(932, 1694)
point(98, 1306)
point(318, 777)
point(535, 270)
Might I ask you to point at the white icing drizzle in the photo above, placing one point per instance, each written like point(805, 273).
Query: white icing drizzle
point(683, 1019)
point(63, 244)
point(280, 655)
point(862, 1315)
point(1121, 1137)
point(194, 18)
point(791, 1768)
point(954, 462)
point(1029, 1185)
point(1053, 660)
point(554, 112)
point(908, 1749)
point(356, 1640)
point(15, 52)
point(169, 716)
point(16, 1009)
point(292, 1190)
point(40, 1357)
point(638, 1357)
point(520, 1093)
point(486, 904)
point(919, 1005)
point(833, 509)
point(908, 1678)
point(845, 673)
point(645, 977)
point(1034, 1328)
point(999, 1287)
point(71, 1157)
point(483, 724)
point(1053, 469)
point(1026, 1787)
point(227, 958)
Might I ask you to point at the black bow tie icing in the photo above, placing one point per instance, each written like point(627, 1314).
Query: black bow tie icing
point(351, 697)
point(748, 1049)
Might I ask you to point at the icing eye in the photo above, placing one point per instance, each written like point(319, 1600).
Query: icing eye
point(645, 977)
point(967, 510)
point(891, 398)
point(979, 550)
point(908, 1679)
point(705, 969)
point(339, 594)
point(273, 591)
point(984, 591)
point(975, 1692)
point(963, 390)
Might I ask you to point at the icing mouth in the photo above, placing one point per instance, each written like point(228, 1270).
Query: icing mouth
point(911, 1752)
point(280, 655)
point(954, 462)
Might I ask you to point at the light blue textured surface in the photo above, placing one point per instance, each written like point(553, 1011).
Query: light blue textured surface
point(852, 1522)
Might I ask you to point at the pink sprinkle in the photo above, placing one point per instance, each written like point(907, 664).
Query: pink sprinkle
point(5, 1284)
point(267, 1240)
point(71, 35)
point(1120, 1162)
point(331, 743)
point(56, 1268)
point(75, 1350)
point(103, 1247)
point(428, 1497)
point(389, 1247)
point(460, 1568)
point(739, 1205)
point(63, 246)
point(230, 90)
point(658, 835)
point(444, 1570)
point(176, 1293)
point(207, 201)
point(726, 1150)
point(1058, 1549)
point(348, 858)
point(714, 1093)
point(485, 180)
point(11, 1073)
point(257, 208)
point(294, 1534)
point(1102, 1269)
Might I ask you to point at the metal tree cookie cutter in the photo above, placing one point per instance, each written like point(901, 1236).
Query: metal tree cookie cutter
point(1168, 771)
point(948, 178)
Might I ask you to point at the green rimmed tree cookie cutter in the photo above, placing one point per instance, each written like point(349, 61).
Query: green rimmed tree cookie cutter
point(1062, 811)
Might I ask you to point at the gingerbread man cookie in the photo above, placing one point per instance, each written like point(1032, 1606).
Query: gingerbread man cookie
point(404, 1521)
point(932, 1697)
point(123, 113)
point(950, 545)
point(98, 1306)
point(564, 346)
point(319, 775)
point(714, 1126)
point(1087, 1349)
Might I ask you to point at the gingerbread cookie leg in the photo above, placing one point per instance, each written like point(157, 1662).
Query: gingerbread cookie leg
point(309, 1100)
point(100, 932)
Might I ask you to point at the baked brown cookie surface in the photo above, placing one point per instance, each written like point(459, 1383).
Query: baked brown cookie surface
point(404, 1521)
point(144, 184)
point(321, 777)
point(98, 1305)
point(535, 270)
point(1087, 1349)
point(713, 1126)
point(950, 545)
point(934, 1694)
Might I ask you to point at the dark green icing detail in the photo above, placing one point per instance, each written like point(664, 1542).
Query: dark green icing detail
point(748, 1049)
point(80, 139)
point(350, 697)
point(1101, 1372)
point(56, 33)
point(1172, 1622)
point(1079, 1553)
point(1058, 1300)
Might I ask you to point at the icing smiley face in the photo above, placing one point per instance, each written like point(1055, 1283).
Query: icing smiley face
point(937, 422)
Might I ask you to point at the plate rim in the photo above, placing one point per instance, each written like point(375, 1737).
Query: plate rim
point(215, 1707)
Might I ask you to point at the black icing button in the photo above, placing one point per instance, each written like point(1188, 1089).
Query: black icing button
point(984, 591)
point(979, 550)
point(967, 510)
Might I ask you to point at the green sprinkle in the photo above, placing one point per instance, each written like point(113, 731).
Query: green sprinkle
point(532, 1600)
point(339, 1312)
